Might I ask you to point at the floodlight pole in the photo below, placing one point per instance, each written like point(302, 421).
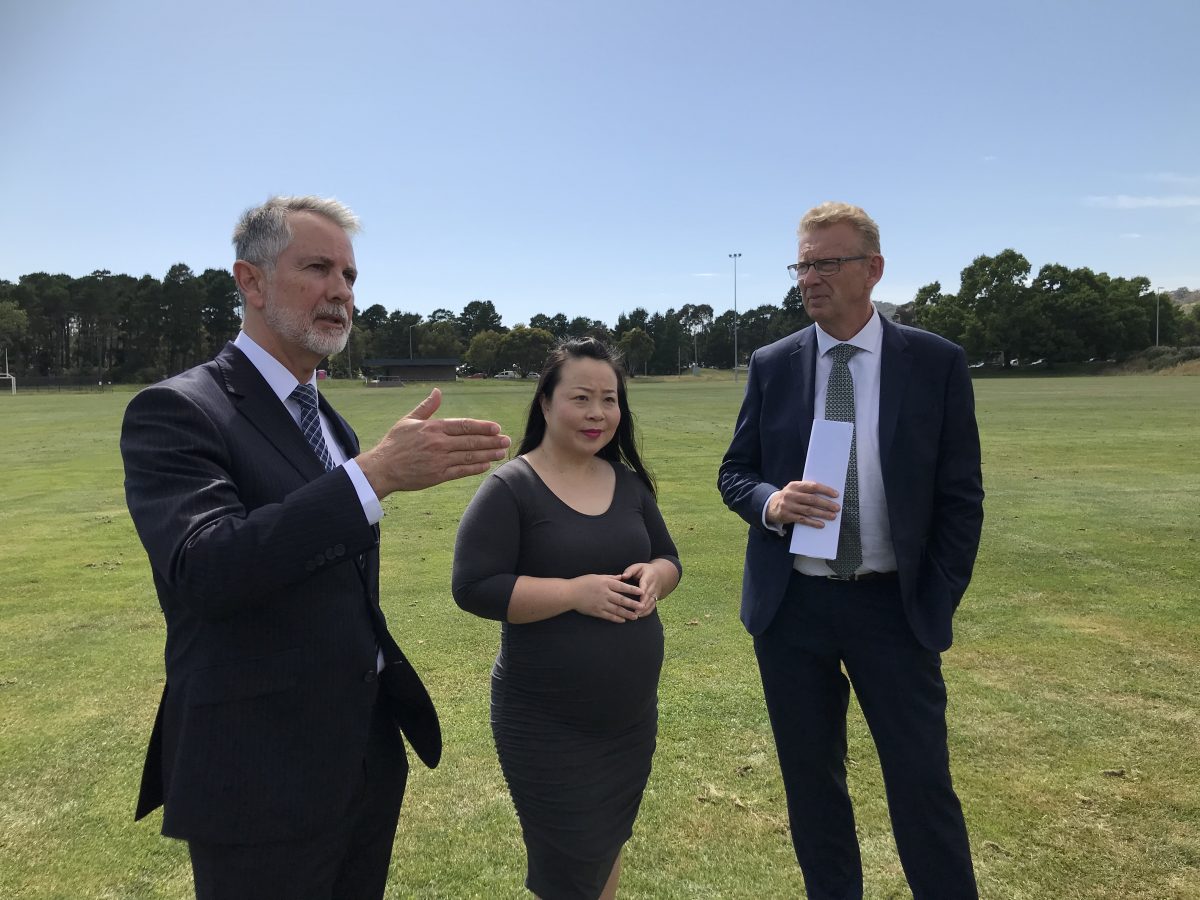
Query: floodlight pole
point(1158, 297)
point(410, 328)
point(734, 257)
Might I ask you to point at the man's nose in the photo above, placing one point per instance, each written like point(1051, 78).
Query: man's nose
point(340, 289)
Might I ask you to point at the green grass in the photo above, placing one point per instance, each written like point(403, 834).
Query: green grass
point(1074, 680)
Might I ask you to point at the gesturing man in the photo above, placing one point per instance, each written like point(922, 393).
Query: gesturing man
point(911, 516)
point(276, 753)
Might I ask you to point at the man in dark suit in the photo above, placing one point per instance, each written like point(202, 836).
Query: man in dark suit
point(276, 752)
point(911, 516)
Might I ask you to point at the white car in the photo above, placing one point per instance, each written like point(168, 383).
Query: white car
point(507, 373)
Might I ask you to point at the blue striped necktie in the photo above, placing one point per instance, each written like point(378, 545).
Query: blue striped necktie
point(310, 423)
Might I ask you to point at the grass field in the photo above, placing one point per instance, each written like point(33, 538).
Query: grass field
point(1074, 679)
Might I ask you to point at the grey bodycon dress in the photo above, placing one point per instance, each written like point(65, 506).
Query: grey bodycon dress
point(574, 697)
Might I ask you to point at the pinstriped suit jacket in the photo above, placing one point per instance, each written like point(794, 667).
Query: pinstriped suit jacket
point(268, 577)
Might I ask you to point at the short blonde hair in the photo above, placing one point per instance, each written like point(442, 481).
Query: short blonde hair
point(831, 213)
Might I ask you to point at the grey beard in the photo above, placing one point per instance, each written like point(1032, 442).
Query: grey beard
point(298, 329)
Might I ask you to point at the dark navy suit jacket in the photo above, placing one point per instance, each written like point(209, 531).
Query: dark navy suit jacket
point(929, 454)
point(268, 576)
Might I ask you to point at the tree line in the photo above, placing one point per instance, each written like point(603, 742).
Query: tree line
point(125, 329)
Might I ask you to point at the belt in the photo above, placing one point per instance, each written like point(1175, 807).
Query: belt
point(861, 576)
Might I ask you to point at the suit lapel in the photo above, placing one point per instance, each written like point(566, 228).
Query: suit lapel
point(255, 401)
point(804, 367)
point(341, 428)
point(895, 368)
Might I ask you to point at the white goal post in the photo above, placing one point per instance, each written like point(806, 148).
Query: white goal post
point(12, 380)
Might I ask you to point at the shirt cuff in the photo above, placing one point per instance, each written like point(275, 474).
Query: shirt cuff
point(371, 506)
point(770, 526)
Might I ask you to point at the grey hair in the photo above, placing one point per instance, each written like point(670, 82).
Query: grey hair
point(263, 232)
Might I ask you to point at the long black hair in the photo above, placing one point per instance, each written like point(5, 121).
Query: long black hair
point(623, 447)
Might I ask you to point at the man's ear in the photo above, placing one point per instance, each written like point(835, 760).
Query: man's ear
point(252, 282)
point(875, 270)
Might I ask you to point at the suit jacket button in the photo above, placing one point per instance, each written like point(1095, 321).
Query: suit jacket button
point(339, 550)
point(369, 676)
point(330, 553)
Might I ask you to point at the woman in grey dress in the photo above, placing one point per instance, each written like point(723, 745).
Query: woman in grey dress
point(565, 546)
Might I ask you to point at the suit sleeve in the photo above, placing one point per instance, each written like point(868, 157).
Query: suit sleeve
point(740, 478)
point(958, 488)
point(216, 552)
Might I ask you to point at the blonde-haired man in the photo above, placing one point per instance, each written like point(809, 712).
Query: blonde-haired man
point(911, 516)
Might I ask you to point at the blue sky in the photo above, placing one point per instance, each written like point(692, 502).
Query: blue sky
point(592, 157)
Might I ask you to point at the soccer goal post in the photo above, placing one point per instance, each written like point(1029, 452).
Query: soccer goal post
point(12, 380)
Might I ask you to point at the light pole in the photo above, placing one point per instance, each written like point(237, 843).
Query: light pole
point(1157, 298)
point(410, 328)
point(734, 257)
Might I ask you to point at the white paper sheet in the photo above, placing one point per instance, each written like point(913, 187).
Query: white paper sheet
point(827, 461)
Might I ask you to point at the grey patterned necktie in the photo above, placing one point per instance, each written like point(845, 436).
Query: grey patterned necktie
point(839, 407)
point(310, 423)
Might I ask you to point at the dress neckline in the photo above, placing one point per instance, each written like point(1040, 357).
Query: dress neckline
point(564, 503)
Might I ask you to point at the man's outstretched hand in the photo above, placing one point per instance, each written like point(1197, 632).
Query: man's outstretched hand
point(420, 451)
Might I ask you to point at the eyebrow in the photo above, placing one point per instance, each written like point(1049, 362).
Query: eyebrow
point(317, 257)
point(327, 260)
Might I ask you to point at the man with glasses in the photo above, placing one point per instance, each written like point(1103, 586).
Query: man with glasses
point(878, 615)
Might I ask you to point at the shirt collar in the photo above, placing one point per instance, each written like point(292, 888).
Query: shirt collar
point(869, 337)
point(280, 380)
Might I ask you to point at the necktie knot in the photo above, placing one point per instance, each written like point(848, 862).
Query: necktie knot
point(841, 353)
point(306, 396)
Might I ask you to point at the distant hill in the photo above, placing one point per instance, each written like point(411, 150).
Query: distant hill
point(1184, 296)
point(887, 310)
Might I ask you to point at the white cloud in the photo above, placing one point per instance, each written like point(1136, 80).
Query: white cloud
point(705, 275)
point(990, 158)
point(1131, 235)
point(1126, 201)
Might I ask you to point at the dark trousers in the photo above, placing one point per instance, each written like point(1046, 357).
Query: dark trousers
point(347, 861)
point(821, 626)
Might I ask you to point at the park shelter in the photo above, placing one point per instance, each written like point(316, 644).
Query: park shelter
point(392, 371)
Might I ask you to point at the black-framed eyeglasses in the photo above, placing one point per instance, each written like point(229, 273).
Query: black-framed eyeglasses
point(830, 266)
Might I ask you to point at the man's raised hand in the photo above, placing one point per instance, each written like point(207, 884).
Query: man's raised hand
point(420, 451)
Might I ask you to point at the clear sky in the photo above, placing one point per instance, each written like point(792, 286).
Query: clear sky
point(591, 157)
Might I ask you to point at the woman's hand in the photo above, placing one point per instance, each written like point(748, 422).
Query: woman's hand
point(648, 577)
point(605, 597)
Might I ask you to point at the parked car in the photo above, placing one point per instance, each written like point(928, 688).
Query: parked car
point(507, 373)
point(477, 375)
point(533, 376)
